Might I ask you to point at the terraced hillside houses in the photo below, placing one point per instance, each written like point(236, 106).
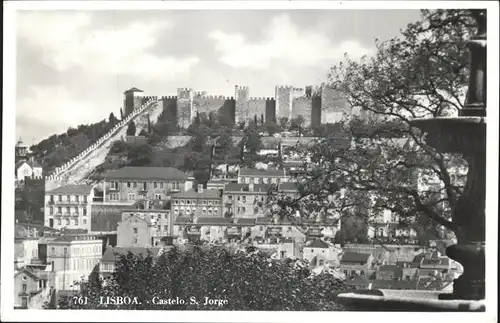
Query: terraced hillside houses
point(130, 184)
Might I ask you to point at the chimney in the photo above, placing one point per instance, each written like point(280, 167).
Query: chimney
point(200, 188)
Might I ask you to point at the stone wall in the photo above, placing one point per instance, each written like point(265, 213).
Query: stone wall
point(333, 106)
point(302, 106)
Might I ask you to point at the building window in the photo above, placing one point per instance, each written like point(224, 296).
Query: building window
point(134, 184)
point(60, 198)
point(407, 277)
point(353, 272)
point(135, 240)
point(135, 230)
point(68, 210)
point(155, 184)
point(144, 185)
point(210, 211)
point(77, 198)
point(230, 197)
point(165, 228)
point(176, 210)
point(25, 287)
point(345, 272)
point(129, 185)
point(158, 196)
point(51, 210)
point(161, 184)
point(52, 198)
point(76, 210)
point(188, 211)
point(76, 221)
point(59, 210)
point(85, 198)
point(238, 198)
point(84, 221)
point(210, 202)
point(204, 211)
point(204, 202)
point(362, 272)
point(84, 211)
point(188, 202)
point(261, 228)
point(183, 201)
point(243, 210)
point(244, 198)
point(58, 221)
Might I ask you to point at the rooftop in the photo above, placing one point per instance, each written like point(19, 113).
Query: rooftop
point(205, 194)
point(214, 220)
point(318, 243)
point(354, 257)
point(72, 189)
point(134, 89)
point(261, 172)
point(145, 173)
point(182, 220)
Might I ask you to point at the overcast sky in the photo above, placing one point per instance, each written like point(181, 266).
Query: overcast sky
point(73, 66)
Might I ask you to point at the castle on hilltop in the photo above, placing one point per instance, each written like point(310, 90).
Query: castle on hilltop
point(317, 105)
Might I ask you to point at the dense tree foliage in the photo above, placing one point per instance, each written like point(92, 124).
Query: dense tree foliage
point(246, 280)
point(422, 73)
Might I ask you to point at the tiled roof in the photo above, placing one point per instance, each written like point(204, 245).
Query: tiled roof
point(396, 270)
point(182, 220)
point(206, 194)
point(318, 243)
point(245, 221)
point(27, 272)
point(234, 187)
point(261, 172)
point(263, 220)
point(112, 254)
point(72, 189)
point(134, 89)
point(394, 284)
point(213, 220)
point(439, 262)
point(355, 257)
point(145, 173)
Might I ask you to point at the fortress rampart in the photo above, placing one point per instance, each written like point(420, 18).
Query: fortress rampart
point(316, 104)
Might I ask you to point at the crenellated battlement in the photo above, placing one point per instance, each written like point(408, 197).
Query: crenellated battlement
point(263, 98)
point(169, 97)
point(215, 97)
point(284, 87)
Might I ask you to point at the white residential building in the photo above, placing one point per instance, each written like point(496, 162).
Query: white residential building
point(73, 258)
point(69, 207)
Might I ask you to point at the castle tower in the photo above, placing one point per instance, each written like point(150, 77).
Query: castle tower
point(284, 98)
point(185, 113)
point(132, 99)
point(334, 107)
point(241, 104)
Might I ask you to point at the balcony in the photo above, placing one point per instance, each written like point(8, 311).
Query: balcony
point(75, 214)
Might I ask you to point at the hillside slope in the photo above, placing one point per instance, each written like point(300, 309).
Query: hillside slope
point(78, 171)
